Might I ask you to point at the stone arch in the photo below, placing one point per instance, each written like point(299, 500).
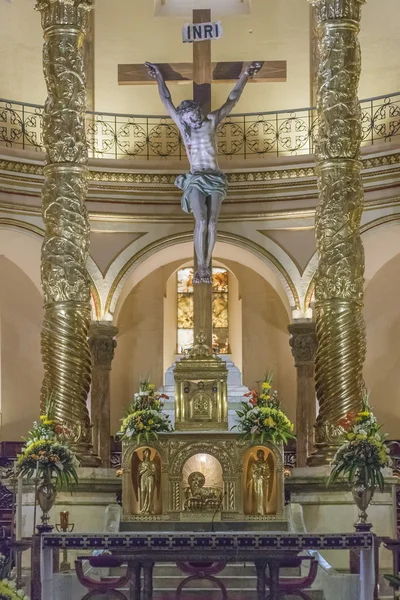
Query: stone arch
point(164, 251)
point(216, 450)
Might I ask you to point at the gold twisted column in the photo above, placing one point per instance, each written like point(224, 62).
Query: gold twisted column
point(340, 276)
point(65, 280)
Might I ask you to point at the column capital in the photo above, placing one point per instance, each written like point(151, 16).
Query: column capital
point(64, 13)
point(303, 342)
point(102, 343)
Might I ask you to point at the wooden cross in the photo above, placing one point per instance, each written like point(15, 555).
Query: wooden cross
point(202, 72)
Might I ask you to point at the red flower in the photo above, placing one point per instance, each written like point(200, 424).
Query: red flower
point(253, 397)
point(347, 421)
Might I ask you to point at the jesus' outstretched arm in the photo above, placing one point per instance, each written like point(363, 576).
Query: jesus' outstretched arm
point(233, 98)
point(165, 95)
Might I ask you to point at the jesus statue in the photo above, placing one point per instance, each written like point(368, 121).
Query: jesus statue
point(205, 186)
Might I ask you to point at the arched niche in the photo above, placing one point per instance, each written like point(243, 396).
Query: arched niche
point(202, 476)
point(274, 455)
point(133, 455)
point(259, 483)
point(234, 314)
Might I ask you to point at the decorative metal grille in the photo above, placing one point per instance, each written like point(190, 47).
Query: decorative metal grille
point(244, 136)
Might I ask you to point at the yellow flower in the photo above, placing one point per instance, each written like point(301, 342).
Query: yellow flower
point(364, 413)
point(266, 385)
point(269, 422)
point(151, 386)
point(140, 425)
point(148, 428)
point(43, 417)
point(151, 421)
point(262, 396)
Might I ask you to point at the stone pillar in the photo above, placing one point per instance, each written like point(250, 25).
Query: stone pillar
point(340, 274)
point(65, 280)
point(304, 345)
point(102, 345)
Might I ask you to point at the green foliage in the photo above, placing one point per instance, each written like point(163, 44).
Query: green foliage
point(262, 419)
point(144, 418)
point(46, 453)
point(363, 453)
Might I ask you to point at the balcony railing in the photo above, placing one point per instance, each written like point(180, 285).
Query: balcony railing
point(244, 136)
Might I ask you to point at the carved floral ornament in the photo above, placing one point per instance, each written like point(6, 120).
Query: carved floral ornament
point(61, 13)
point(337, 9)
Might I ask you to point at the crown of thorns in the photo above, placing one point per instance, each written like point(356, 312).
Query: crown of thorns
point(186, 106)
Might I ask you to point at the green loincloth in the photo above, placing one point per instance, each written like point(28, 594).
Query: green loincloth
point(207, 182)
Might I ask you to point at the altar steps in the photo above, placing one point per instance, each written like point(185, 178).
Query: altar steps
point(239, 580)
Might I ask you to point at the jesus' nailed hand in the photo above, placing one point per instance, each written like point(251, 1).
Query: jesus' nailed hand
point(205, 187)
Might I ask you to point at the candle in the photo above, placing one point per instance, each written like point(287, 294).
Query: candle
point(18, 517)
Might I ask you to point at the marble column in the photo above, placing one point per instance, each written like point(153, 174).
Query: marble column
point(102, 345)
point(304, 346)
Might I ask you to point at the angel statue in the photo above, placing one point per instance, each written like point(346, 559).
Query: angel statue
point(146, 480)
point(260, 478)
point(205, 187)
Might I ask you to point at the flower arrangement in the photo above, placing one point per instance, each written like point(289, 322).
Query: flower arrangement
point(144, 417)
point(363, 453)
point(8, 588)
point(45, 453)
point(262, 417)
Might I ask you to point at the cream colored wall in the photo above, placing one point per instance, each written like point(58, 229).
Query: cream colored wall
point(382, 366)
point(265, 336)
point(21, 366)
point(128, 32)
point(380, 48)
point(235, 321)
point(140, 343)
point(21, 42)
point(275, 30)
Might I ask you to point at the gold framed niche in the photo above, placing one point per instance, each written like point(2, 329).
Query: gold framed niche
point(146, 485)
point(202, 483)
point(221, 460)
point(259, 482)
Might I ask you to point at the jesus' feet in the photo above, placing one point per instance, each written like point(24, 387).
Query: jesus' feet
point(202, 275)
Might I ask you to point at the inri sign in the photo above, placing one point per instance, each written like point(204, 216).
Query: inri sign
point(201, 31)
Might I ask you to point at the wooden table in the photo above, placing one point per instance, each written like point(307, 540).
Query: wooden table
point(142, 550)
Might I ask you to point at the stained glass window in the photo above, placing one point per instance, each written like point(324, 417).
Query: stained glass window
point(219, 308)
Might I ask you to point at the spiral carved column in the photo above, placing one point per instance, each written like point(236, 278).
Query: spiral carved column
point(340, 276)
point(65, 280)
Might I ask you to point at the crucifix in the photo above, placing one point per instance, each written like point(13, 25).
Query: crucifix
point(205, 187)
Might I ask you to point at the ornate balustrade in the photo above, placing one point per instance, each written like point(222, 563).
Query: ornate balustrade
point(243, 136)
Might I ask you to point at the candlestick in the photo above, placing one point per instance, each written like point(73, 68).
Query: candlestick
point(65, 526)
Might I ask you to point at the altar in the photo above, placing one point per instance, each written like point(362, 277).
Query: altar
point(203, 477)
point(201, 472)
